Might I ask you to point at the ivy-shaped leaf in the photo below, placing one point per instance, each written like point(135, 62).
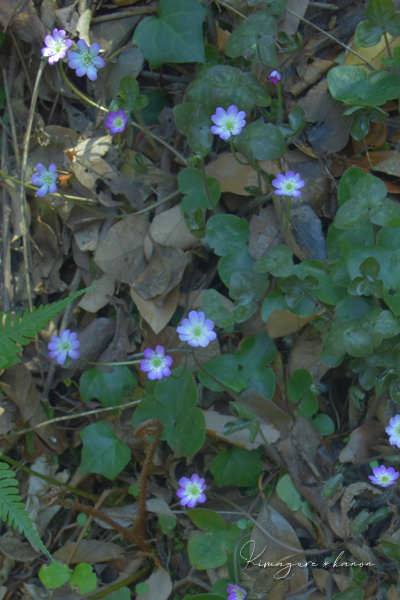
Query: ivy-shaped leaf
point(102, 451)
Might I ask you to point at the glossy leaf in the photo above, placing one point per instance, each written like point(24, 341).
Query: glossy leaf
point(102, 451)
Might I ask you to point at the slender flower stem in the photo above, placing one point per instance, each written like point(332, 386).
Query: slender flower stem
point(146, 132)
point(280, 103)
point(120, 147)
point(35, 188)
point(210, 202)
point(116, 586)
point(235, 155)
point(232, 394)
point(388, 48)
point(288, 213)
point(78, 92)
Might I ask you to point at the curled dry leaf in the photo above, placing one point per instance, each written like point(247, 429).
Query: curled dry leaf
point(89, 551)
point(283, 322)
point(215, 423)
point(265, 232)
point(164, 272)
point(160, 586)
point(362, 439)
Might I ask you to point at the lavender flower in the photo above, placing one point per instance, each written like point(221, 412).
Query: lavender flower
point(383, 477)
point(46, 179)
point(191, 491)
point(65, 345)
point(235, 592)
point(288, 184)
point(116, 121)
point(275, 76)
point(196, 330)
point(229, 122)
point(155, 363)
point(393, 430)
point(57, 46)
point(86, 61)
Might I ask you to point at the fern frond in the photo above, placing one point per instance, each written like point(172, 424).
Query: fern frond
point(12, 509)
point(26, 327)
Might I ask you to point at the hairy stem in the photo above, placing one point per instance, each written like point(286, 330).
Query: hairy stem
point(235, 156)
point(152, 427)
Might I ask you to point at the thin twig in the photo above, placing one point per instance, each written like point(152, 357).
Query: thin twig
point(7, 293)
point(73, 416)
point(139, 10)
point(21, 58)
point(24, 227)
point(12, 122)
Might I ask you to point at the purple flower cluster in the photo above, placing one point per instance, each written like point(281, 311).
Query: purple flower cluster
point(191, 491)
point(85, 61)
point(288, 184)
point(156, 365)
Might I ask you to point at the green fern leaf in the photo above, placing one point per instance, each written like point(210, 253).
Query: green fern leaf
point(12, 509)
point(26, 327)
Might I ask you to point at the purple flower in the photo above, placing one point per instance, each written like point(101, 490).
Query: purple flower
point(196, 330)
point(57, 46)
point(191, 491)
point(46, 179)
point(288, 185)
point(229, 122)
point(393, 430)
point(275, 76)
point(116, 121)
point(383, 476)
point(86, 61)
point(65, 345)
point(235, 592)
point(155, 363)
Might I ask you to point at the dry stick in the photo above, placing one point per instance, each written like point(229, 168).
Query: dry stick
point(116, 586)
point(248, 516)
point(155, 428)
point(55, 496)
point(95, 411)
point(23, 169)
point(331, 37)
point(6, 236)
point(21, 58)
point(64, 324)
point(70, 488)
point(140, 10)
point(12, 122)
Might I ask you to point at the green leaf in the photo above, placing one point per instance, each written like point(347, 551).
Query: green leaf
point(362, 118)
point(174, 403)
point(175, 35)
point(102, 451)
point(109, 388)
point(278, 262)
point(288, 493)
point(247, 420)
point(297, 122)
point(226, 370)
point(351, 593)
point(238, 261)
point(237, 466)
point(167, 524)
point(257, 93)
point(323, 424)
point(142, 588)
point(368, 201)
point(347, 182)
point(338, 239)
point(83, 580)
point(191, 184)
point(210, 550)
point(299, 388)
point(251, 32)
point(245, 288)
point(212, 304)
point(255, 354)
point(380, 17)
point(392, 61)
point(54, 575)
point(260, 141)
point(227, 234)
point(195, 122)
point(128, 89)
point(350, 85)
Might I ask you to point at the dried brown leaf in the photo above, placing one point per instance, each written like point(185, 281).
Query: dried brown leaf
point(120, 253)
point(157, 316)
point(169, 229)
point(95, 299)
